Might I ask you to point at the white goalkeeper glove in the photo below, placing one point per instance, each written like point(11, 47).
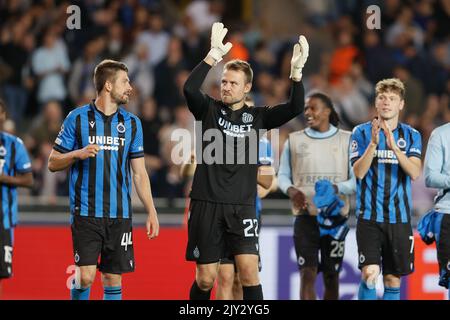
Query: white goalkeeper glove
point(299, 57)
point(218, 49)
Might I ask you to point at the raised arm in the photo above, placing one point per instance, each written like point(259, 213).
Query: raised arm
point(280, 114)
point(409, 162)
point(363, 163)
point(196, 100)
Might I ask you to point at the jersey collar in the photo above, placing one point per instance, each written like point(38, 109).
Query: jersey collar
point(104, 116)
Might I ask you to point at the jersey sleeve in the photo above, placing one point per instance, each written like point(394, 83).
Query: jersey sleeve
point(278, 115)
point(137, 144)
point(357, 146)
point(22, 161)
point(65, 141)
point(197, 101)
point(415, 148)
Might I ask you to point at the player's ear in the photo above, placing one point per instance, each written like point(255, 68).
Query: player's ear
point(247, 87)
point(108, 85)
point(402, 104)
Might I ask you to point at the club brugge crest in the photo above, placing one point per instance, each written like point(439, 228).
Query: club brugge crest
point(247, 117)
point(401, 143)
point(120, 127)
point(2, 151)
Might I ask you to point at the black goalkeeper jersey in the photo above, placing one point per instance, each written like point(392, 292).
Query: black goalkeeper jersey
point(226, 170)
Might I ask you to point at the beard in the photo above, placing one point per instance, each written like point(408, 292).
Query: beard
point(119, 98)
point(229, 100)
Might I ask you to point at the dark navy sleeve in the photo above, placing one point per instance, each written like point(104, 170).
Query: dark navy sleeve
point(276, 116)
point(415, 146)
point(22, 161)
point(65, 141)
point(197, 101)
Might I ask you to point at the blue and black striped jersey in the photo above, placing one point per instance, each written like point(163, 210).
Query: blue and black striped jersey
point(384, 194)
point(13, 159)
point(101, 186)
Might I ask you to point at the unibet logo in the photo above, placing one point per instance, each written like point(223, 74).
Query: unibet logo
point(228, 126)
point(107, 143)
point(386, 156)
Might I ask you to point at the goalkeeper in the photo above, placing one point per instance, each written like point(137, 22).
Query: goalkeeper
point(222, 219)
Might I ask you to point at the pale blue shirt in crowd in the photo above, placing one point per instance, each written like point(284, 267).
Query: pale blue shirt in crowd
point(285, 173)
point(51, 86)
point(437, 167)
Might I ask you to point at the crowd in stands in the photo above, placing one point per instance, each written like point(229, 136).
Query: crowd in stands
point(46, 68)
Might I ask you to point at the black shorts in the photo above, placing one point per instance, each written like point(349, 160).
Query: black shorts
point(6, 252)
point(218, 230)
point(308, 244)
point(389, 245)
point(111, 239)
point(232, 261)
point(443, 251)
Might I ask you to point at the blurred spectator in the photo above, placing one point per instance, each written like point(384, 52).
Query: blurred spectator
point(378, 58)
point(172, 184)
point(414, 95)
point(80, 81)
point(262, 59)
point(195, 45)
point(166, 72)
point(238, 51)
point(150, 128)
point(14, 56)
point(351, 103)
point(44, 128)
point(155, 38)
point(204, 13)
point(39, 142)
point(342, 57)
point(320, 12)
point(115, 46)
point(50, 62)
point(405, 26)
point(140, 71)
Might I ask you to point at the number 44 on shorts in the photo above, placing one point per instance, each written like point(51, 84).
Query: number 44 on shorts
point(126, 240)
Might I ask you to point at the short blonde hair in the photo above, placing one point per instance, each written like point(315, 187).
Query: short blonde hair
point(391, 84)
point(240, 65)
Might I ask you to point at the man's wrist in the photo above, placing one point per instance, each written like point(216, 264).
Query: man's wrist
point(76, 155)
point(336, 188)
point(290, 191)
point(215, 55)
